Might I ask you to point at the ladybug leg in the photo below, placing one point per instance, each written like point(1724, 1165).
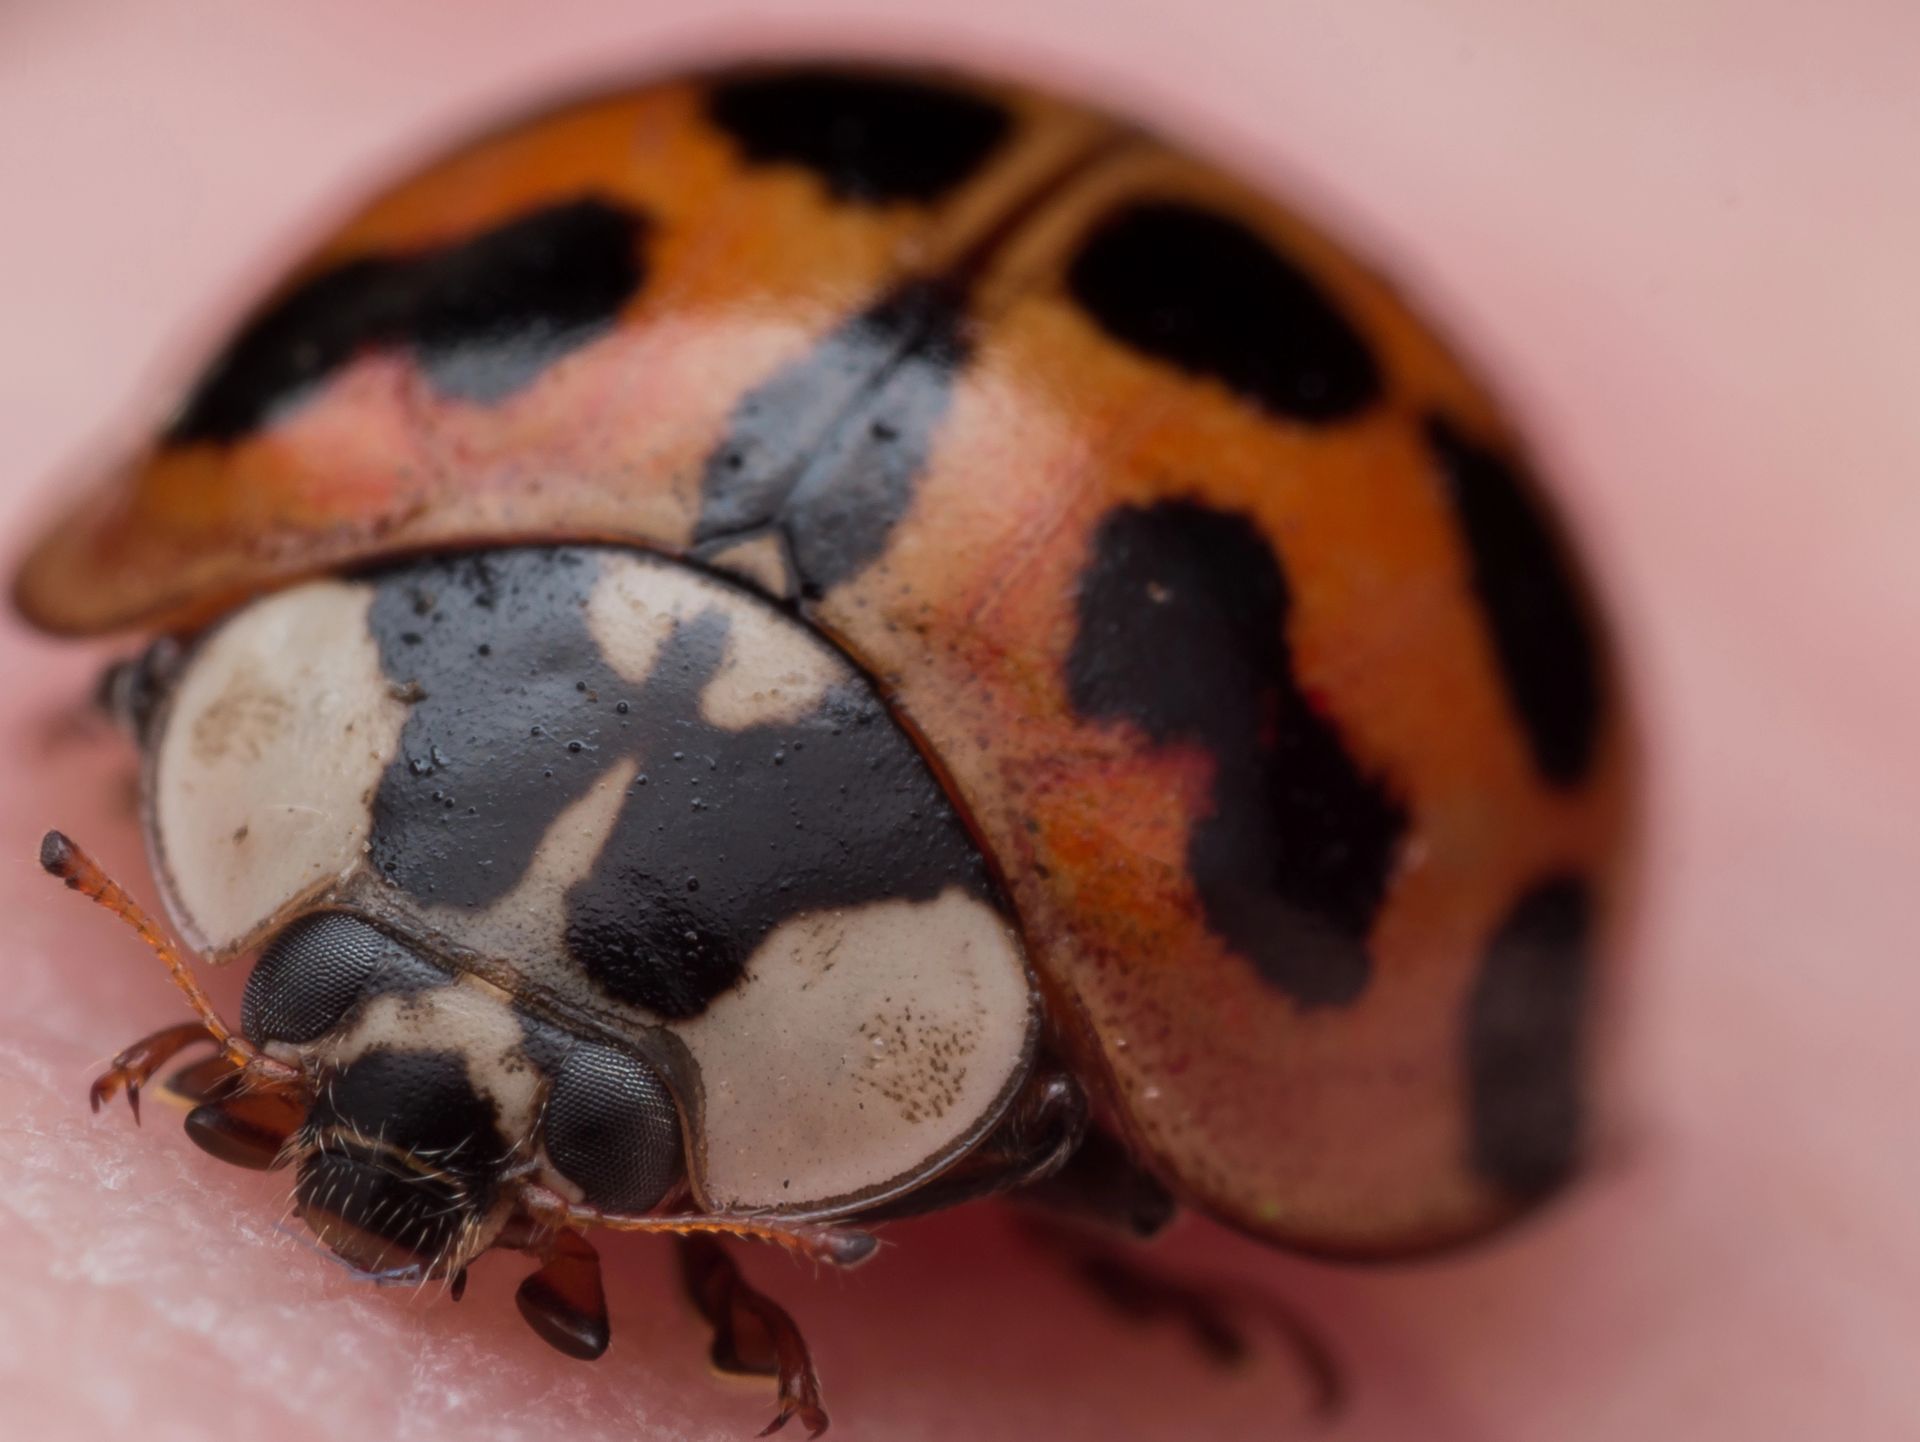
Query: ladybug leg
point(1140, 1295)
point(752, 1334)
point(205, 1080)
point(124, 698)
point(1215, 1316)
point(1078, 1211)
point(235, 1118)
point(565, 1304)
point(134, 1067)
point(128, 691)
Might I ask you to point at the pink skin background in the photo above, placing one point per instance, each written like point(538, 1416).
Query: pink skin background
point(1680, 234)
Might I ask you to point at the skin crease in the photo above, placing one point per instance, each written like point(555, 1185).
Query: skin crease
point(1673, 232)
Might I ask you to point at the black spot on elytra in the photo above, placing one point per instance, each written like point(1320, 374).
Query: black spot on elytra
point(318, 969)
point(868, 137)
point(1525, 1024)
point(1525, 581)
point(1183, 632)
point(482, 317)
point(730, 833)
point(1204, 293)
point(826, 452)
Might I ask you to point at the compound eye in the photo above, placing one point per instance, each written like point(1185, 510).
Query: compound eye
point(312, 973)
point(613, 1130)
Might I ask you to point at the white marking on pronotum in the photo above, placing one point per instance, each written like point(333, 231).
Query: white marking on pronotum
point(287, 787)
point(771, 671)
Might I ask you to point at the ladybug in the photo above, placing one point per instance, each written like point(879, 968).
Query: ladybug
point(798, 645)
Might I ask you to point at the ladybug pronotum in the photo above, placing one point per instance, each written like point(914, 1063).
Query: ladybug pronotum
point(800, 645)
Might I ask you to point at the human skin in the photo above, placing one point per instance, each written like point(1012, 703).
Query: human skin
point(1677, 235)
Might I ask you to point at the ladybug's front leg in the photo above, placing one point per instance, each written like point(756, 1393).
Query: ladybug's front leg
point(134, 1067)
point(752, 1334)
point(239, 1118)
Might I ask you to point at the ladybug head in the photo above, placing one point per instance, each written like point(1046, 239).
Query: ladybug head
point(431, 1098)
point(401, 1154)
